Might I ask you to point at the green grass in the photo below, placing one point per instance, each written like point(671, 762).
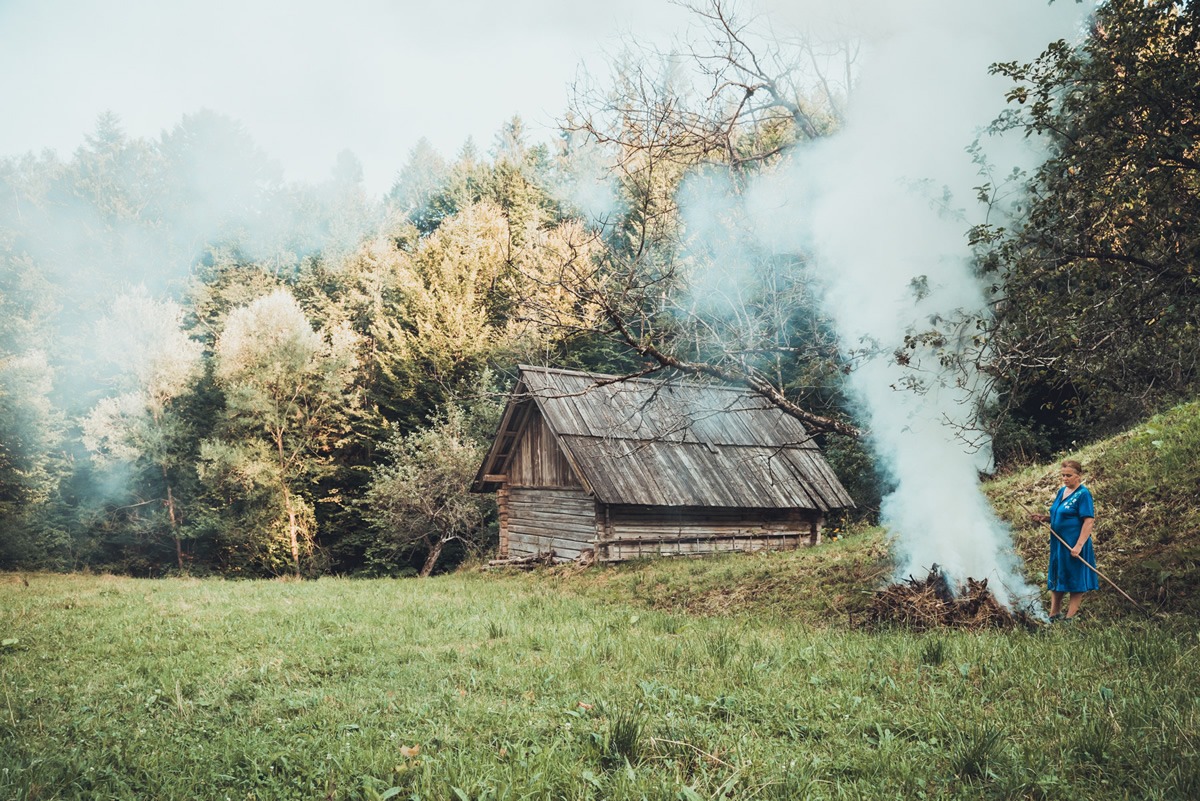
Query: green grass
point(524, 687)
point(825, 586)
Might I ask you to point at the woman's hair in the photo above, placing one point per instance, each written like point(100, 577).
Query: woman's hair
point(1074, 465)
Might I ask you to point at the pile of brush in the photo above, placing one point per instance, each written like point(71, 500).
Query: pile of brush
point(932, 603)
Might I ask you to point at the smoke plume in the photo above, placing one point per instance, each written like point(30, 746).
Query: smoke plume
point(884, 207)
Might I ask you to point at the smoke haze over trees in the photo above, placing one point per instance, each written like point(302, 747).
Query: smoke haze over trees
point(205, 367)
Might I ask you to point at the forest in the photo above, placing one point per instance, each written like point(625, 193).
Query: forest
point(208, 370)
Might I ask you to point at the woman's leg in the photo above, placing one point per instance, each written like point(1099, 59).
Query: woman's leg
point(1056, 599)
point(1073, 604)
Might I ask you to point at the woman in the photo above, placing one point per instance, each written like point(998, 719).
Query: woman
point(1071, 517)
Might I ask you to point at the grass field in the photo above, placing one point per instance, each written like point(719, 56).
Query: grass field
point(474, 686)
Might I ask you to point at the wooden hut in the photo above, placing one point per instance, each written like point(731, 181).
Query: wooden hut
point(626, 468)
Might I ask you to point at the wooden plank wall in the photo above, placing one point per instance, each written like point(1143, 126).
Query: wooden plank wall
point(631, 532)
point(538, 520)
point(538, 461)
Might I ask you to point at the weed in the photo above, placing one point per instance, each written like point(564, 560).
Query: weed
point(933, 652)
point(669, 624)
point(1094, 739)
point(1150, 652)
point(624, 740)
point(1185, 777)
point(722, 647)
point(974, 751)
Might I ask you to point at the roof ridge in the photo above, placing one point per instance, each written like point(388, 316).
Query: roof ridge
point(617, 379)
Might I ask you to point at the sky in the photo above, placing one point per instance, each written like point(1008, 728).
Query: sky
point(308, 78)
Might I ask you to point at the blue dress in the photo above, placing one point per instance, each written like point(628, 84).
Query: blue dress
point(1066, 573)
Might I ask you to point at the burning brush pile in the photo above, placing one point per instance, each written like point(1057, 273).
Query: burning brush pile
point(932, 603)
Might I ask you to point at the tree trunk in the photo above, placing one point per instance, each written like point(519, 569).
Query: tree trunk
point(430, 561)
point(293, 532)
point(293, 526)
point(174, 518)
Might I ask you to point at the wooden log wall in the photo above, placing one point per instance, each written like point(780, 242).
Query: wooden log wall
point(631, 532)
point(537, 520)
point(502, 506)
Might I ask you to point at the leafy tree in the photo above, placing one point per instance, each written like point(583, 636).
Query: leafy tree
point(697, 124)
point(30, 432)
point(1099, 291)
point(289, 392)
point(420, 501)
point(31, 423)
point(468, 295)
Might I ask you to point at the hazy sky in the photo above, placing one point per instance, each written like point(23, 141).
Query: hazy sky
point(308, 78)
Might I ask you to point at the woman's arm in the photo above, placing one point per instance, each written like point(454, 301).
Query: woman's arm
point(1085, 533)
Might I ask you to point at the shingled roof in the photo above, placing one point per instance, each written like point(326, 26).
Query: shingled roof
point(669, 443)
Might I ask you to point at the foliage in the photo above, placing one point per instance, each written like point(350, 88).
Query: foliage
point(1098, 321)
point(682, 284)
point(237, 406)
point(143, 429)
point(420, 496)
point(403, 316)
point(287, 406)
point(29, 433)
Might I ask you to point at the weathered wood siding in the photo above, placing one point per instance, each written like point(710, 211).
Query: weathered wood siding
point(630, 532)
point(538, 461)
point(562, 520)
point(502, 508)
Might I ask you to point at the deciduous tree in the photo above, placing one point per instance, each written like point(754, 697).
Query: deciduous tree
point(420, 498)
point(289, 391)
point(723, 106)
point(142, 427)
point(1099, 288)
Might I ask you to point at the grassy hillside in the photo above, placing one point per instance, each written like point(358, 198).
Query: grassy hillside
point(1147, 488)
point(825, 586)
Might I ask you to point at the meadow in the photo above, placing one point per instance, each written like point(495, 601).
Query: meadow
point(573, 685)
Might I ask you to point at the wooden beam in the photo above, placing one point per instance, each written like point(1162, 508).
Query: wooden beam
point(495, 478)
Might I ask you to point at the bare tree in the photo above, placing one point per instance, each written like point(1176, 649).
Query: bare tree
point(693, 291)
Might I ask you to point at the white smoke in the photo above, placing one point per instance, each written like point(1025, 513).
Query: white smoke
point(884, 207)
